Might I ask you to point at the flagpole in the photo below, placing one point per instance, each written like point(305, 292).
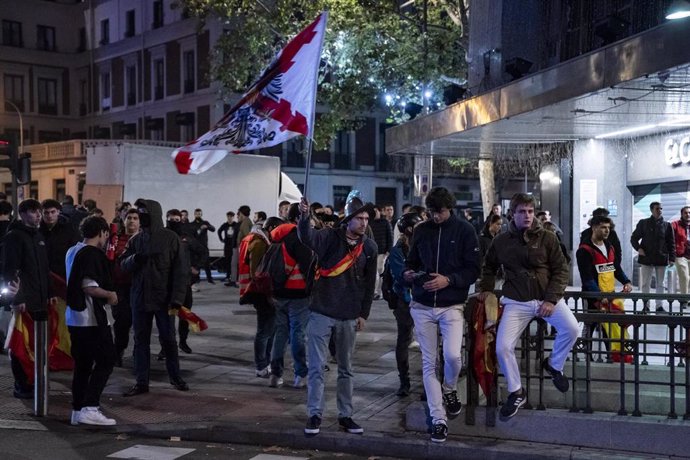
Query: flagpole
point(312, 123)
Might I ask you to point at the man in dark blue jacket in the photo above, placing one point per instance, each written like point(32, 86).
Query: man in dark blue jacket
point(442, 264)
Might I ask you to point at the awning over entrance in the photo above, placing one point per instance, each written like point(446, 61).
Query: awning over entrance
point(639, 86)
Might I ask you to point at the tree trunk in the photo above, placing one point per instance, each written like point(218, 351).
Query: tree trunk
point(486, 181)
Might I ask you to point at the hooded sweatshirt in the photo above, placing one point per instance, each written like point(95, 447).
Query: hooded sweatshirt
point(158, 263)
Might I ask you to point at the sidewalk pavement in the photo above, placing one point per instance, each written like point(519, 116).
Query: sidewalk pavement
point(228, 403)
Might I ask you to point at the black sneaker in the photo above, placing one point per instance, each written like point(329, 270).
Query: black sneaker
point(515, 401)
point(439, 432)
point(313, 425)
point(560, 381)
point(453, 405)
point(179, 384)
point(404, 389)
point(350, 426)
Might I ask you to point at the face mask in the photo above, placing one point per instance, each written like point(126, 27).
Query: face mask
point(175, 226)
point(145, 220)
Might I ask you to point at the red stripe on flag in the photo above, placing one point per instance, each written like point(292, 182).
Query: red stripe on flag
point(183, 162)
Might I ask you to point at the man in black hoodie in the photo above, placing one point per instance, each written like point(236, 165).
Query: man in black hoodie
point(24, 255)
point(160, 275)
point(442, 264)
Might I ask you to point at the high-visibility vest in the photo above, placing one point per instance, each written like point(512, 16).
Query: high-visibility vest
point(296, 279)
point(244, 275)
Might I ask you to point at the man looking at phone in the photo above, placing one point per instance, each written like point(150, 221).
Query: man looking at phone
point(442, 264)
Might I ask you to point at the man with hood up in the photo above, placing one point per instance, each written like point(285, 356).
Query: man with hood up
point(160, 274)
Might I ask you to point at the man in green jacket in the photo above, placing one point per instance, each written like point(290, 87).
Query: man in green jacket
point(536, 275)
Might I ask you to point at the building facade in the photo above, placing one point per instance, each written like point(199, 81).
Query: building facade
point(139, 70)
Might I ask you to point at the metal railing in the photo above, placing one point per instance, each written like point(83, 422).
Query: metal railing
point(636, 351)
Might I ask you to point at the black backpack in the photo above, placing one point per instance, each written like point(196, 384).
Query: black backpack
point(387, 291)
point(270, 276)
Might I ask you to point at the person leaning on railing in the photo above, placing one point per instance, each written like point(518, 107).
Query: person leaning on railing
point(536, 275)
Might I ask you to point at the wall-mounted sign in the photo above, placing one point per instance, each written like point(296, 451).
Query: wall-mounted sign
point(677, 152)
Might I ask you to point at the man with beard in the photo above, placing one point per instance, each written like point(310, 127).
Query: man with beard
point(201, 228)
point(340, 303)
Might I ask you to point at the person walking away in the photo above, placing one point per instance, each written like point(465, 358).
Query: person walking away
point(653, 240)
point(90, 295)
point(340, 303)
point(442, 264)
point(252, 249)
point(383, 235)
point(292, 301)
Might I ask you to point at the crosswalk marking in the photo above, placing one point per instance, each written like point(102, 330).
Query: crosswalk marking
point(144, 452)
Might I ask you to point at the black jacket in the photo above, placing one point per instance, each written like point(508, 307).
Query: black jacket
point(202, 234)
point(655, 236)
point(450, 249)
point(227, 233)
point(24, 251)
point(59, 239)
point(159, 278)
point(383, 234)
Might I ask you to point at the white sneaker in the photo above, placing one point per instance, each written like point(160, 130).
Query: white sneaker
point(94, 416)
point(74, 420)
point(414, 345)
point(300, 382)
point(264, 373)
point(275, 381)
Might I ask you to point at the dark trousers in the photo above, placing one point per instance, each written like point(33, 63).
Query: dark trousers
point(405, 326)
point(122, 313)
point(142, 321)
point(265, 329)
point(227, 253)
point(94, 356)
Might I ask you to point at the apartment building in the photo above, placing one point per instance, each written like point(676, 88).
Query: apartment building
point(110, 70)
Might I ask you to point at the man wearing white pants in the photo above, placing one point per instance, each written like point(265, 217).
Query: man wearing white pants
point(653, 241)
point(681, 236)
point(442, 263)
point(536, 275)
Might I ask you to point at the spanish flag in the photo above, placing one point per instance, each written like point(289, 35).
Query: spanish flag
point(196, 324)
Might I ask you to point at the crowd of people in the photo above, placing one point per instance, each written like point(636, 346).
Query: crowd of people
point(116, 279)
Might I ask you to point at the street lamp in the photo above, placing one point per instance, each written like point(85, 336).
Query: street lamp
point(679, 9)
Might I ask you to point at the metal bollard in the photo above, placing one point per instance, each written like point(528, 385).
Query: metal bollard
point(41, 368)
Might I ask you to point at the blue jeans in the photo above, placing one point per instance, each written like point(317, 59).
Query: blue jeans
point(142, 322)
point(319, 330)
point(263, 340)
point(291, 322)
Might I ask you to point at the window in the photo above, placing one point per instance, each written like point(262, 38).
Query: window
point(45, 38)
point(340, 193)
point(131, 82)
point(47, 96)
point(105, 91)
point(158, 78)
point(14, 90)
point(83, 92)
point(129, 24)
point(157, 14)
point(59, 189)
point(82, 39)
point(12, 33)
point(342, 150)
point(188, 71)
point(105, 31)
point(33, 190)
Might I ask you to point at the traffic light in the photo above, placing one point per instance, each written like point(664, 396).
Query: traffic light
point(19, 165)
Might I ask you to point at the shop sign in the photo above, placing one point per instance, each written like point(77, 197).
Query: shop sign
point(676, 152)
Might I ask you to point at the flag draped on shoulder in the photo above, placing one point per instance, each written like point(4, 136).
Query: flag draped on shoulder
point(279, 106)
